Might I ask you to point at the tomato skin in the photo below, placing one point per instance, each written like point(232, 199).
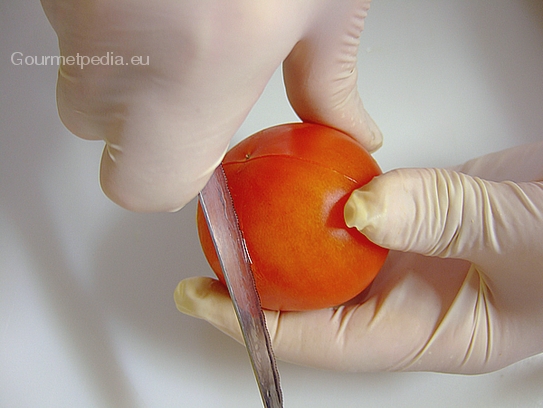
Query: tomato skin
point(289, 184)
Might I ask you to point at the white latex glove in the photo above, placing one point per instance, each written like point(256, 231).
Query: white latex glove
point(167, 124)
point(465, 297)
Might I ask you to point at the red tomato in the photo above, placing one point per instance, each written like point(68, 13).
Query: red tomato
point(289, 185)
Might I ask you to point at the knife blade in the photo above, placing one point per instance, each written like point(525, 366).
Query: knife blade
point(222, 221)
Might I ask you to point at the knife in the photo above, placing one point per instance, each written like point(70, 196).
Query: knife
point(222, 221)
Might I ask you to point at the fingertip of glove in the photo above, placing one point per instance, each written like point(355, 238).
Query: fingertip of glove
point(375, 137)
point(208, 299)
point(182, 297)
point(367, 210)
point(191, 294)
point(355, 211)
point(355, 121)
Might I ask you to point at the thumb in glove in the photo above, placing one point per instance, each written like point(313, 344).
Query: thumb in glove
point(495, 225)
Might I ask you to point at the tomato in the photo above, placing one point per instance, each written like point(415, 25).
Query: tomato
point(289, 184)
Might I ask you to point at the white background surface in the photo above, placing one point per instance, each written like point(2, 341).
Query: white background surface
point(87, 317)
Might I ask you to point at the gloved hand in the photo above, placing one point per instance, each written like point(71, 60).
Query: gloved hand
point(167, 124)
point(462, 292)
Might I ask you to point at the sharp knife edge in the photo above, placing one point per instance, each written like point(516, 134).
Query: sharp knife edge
point(222, 221)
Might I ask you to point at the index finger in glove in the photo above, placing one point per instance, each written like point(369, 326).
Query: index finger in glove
point(321, 73)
